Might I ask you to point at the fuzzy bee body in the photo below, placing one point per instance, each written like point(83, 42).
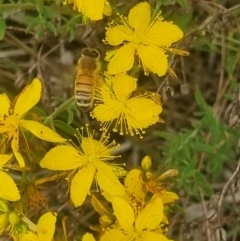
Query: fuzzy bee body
point(87, 78)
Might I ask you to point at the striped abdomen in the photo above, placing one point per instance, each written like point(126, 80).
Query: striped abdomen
point(84, 91)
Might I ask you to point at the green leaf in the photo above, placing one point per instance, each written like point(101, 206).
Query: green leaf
point(70, 117)
point(165, 135)
point(51, 27)
point(200, 100)
point(2, 27)
point(40, 6)
point(204, 183)
point(203, 148)
point(64, 127)
point(39, 111)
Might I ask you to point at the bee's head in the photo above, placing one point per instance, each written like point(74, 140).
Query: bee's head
point(91, 53)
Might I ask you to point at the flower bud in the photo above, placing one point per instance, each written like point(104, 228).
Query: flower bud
point(13, 218)
point(146, 163)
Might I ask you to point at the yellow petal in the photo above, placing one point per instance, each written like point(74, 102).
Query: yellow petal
point(162, 34)
point(153, 59)
point(107, 180)
point(61, 158)
point(124, 213)
point(15, 148)
point(107, 10)
point(168, 197)
point(47, 222)
point(129, 83)
point(41, 131)
point(107, 112)
point(91, 146)
point(88, 237)
point(139, 17)
point(28, 98)
point(93, 9)
point(118, 34)
point(8, 188)
point(142, 112)
point(152, 236)
point(151, 216)
point(5, 106)
point(123, 60)
point(4, 158)
point(115, 234)
point(99, 207)
point(81, 184)
point(133, 185)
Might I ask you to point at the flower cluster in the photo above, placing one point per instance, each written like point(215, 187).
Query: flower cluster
point(137, 202)
point(137, 216)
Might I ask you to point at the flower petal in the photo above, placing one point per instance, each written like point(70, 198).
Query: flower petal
point(152, 236)
point(80, 185)
point(115, 234)
point(5, 106)
point(4, 158)
point(129, 83)
point(107, 180)
point(41, 131)
point(15, 148)
point(168, 197)
point(142, 112)
point(90, 146)
point(47, 222)
point(93, 9)
point(151, 216)
point(106, 112)
point(124, 213)
point(153, 59)
point(8, 188)
point(139, 17)
point(133, 185)
point(118, 34)
point(62, 158)
point(123, 60)
point(107, 10)
point(162, 34)
point(88, 237)
point(28, 98)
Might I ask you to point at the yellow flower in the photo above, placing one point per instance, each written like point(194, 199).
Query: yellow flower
point(44, 231)
point(147, 38)
point(8, 188)
point(11, 119)
point(93, 9)
point(136, 225)
point(138, 185)
point(90, 162)
point(152, 183)
point(130, 113)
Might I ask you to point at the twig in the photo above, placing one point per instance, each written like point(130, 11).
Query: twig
point(224, 190)
point(205, 213)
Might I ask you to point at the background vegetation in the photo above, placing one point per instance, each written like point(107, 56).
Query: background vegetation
point(200, 133)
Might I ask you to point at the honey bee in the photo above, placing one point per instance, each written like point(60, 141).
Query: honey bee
point(87, 78)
